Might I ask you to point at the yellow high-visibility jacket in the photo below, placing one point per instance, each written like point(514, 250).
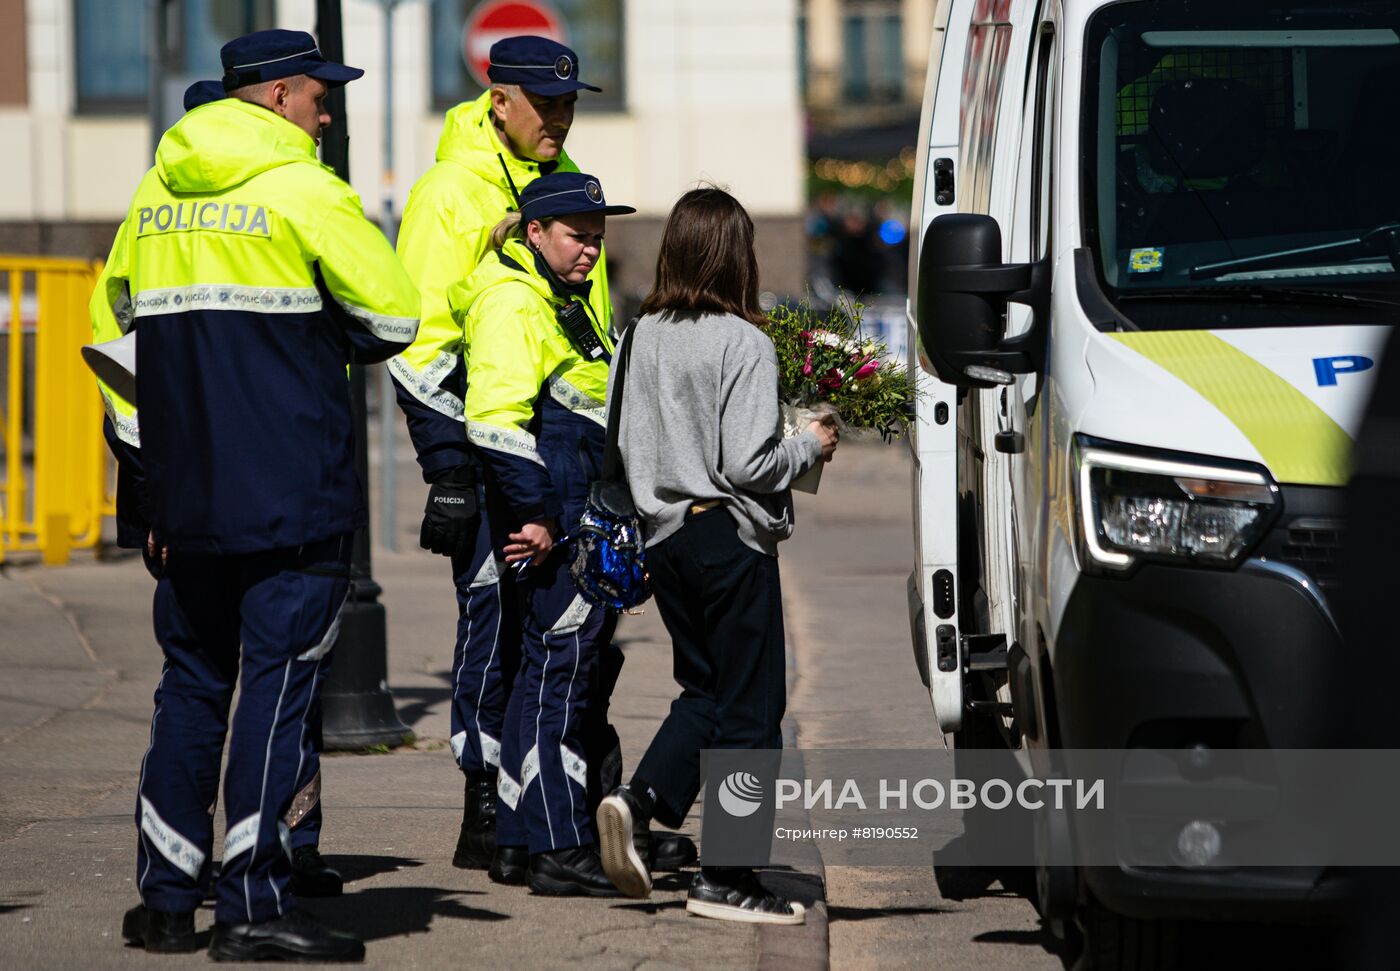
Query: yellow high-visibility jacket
point(252, 278)
point(534, 405)
point(446, 232)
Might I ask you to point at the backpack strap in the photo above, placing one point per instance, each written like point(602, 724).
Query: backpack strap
point(612, 454)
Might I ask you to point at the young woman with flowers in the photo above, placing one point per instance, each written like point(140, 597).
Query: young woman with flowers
point(709, 469)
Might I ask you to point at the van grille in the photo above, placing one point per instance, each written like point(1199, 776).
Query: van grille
point(1315, 547)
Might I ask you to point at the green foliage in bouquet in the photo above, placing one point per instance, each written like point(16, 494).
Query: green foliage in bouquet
point(826, 359)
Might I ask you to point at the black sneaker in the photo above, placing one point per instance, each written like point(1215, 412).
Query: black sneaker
point(737, 895)
point(574, 872)
point(161, 931)
point(291, 937)
point(476, 843)
point(672, 851)
point(312, 876)
point(510, 866)
point(622, 824)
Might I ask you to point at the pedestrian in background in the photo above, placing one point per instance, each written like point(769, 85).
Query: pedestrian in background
point(709, 470)
point(252, 279)
point(537, 370)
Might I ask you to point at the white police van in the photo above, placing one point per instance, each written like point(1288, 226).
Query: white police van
point(1156, 260)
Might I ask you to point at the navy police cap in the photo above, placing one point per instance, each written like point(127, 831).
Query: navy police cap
point(203, 92)
point(538, 64)
point(267, 55)
point(564, 194)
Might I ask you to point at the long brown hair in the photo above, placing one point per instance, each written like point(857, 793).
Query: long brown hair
point(706, 263)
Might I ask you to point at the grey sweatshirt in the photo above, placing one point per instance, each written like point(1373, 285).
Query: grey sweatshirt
point(700, 421)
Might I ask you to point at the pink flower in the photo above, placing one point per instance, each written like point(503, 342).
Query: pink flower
point(806, 336)
point(807, 367)
point(866, 370)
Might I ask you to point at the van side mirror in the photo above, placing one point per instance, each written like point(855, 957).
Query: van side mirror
point(963, 292)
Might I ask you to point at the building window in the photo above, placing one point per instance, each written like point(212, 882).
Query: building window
point(593, 28)
point(112, 41)
point(872, 67)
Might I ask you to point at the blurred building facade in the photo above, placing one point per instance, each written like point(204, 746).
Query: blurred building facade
point(863, 67)
point(864, 61)
point(693, 92)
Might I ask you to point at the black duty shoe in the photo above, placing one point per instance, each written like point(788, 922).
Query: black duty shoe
point(623, 842)
point(672, 851)
point(291, 937)
point(737, 895)
point(312, 877)
point(575, 872)
point(510, 865)
point(159, 930)
point(476, 843)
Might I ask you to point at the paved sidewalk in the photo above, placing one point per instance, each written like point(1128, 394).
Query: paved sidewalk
point(75, 704)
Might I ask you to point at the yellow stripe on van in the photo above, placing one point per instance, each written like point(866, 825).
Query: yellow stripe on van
point(1299, 441)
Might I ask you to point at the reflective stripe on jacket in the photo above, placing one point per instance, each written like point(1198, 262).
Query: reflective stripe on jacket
point(253, 278)
point(446, 231)
point(534, 405)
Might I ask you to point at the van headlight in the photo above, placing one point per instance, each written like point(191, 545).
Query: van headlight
point(1135, 506)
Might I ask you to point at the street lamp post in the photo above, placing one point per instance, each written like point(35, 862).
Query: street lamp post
point(387, 412)
point(358, 710)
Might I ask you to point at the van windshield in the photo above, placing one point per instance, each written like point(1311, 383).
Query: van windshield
point(1242, 161)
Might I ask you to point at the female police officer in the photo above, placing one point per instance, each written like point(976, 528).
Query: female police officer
point(536, 377)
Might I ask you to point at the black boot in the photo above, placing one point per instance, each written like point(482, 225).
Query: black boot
point(476, 843)
point(575, 872)
point(672, 851)
point(510, 865)
point(312, 877)
point(291, 937)
point(162, 931)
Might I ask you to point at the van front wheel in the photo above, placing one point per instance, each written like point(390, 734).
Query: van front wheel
point(1113, 942)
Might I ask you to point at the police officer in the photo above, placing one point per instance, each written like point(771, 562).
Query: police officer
point(252, 278)
point(491, 149)
point(537, 368)
point(311, 875)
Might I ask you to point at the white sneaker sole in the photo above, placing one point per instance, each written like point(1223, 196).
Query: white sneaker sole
point(703, 908)
point(620, 860)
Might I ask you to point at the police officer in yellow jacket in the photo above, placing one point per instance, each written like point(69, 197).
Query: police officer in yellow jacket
point(311, 875)
point(252, 278)
point(491, 149)
point(537, 369)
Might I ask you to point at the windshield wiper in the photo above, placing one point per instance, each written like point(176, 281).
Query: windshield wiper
point(1384, 241)
point(1262, 294)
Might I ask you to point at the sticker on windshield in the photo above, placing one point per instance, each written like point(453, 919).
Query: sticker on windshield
point(1146, 260)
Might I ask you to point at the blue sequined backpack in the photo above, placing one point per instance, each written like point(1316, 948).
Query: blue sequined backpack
point(610, 557)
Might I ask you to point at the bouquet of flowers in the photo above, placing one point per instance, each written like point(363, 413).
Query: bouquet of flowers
point(826, 365)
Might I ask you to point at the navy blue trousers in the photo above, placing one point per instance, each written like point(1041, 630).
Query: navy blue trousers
point(265, 621)
point(543, 780)
point(486, 655)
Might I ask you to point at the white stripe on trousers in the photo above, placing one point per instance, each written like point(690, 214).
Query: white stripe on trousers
point(568, 703)
point(495, 643)
point(140, 785)
point(262, 800)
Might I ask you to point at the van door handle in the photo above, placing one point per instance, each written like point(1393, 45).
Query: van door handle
point(943, 183)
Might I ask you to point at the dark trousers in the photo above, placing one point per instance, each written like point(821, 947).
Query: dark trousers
point(486, 655)
point(266, 622)
point(723, 607)
point(543, 780)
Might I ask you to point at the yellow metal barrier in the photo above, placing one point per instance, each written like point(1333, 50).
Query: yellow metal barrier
point(55, 482)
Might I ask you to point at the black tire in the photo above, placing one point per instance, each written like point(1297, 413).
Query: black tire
point(1113, 942)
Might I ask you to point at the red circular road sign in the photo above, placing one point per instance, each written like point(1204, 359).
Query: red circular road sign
point(496, 19)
